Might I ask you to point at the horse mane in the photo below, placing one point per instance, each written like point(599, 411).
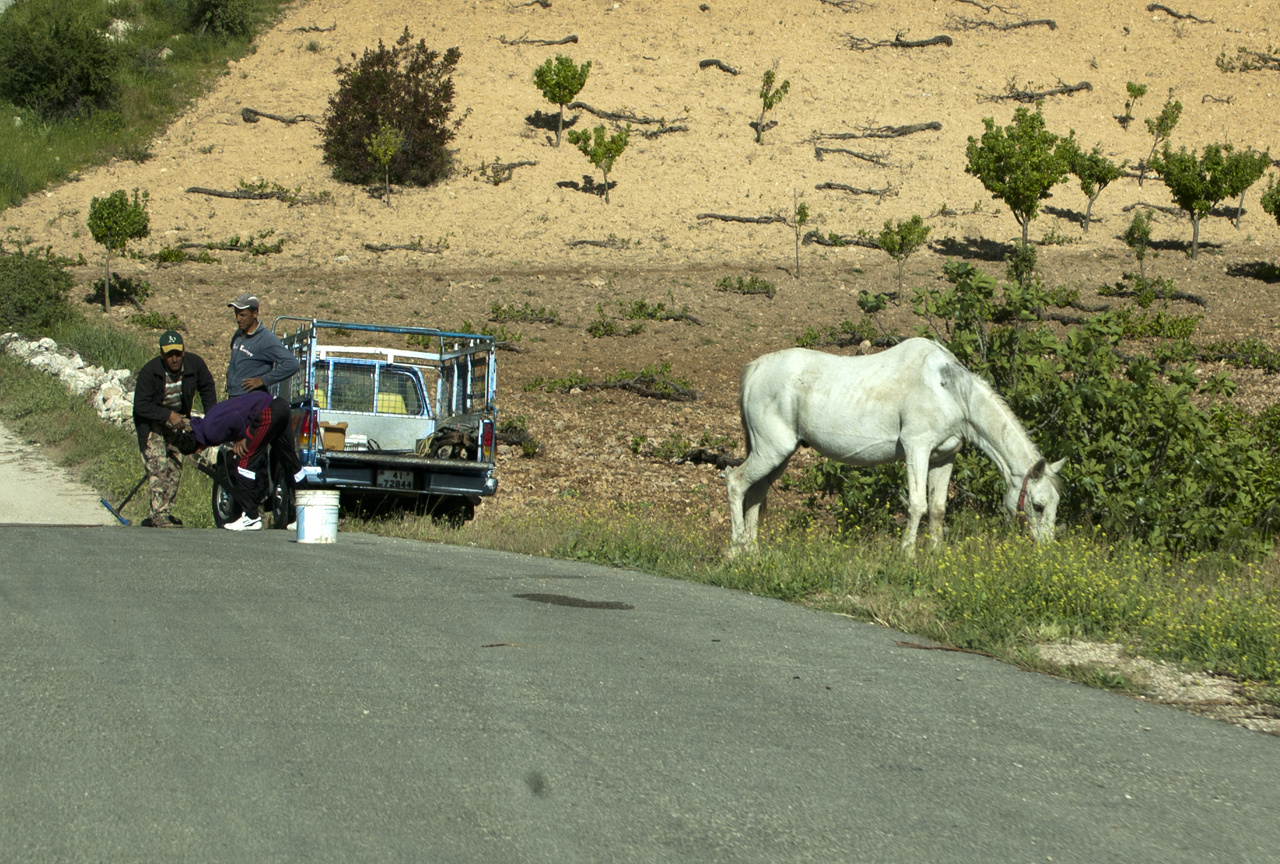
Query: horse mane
point(985, 410)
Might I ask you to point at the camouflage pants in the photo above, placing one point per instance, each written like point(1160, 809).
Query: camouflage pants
point(163, 464)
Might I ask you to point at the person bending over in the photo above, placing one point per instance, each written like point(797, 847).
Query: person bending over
point(252, 423)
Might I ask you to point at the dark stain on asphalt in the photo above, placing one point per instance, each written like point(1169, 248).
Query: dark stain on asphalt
point(563, 600)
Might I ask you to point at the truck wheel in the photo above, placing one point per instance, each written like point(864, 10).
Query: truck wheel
point(282, 505)
point(225, 507)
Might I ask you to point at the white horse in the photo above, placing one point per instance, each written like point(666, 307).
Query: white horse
point(913, 402)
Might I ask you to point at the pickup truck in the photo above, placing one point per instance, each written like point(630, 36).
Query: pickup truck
point(372, 419)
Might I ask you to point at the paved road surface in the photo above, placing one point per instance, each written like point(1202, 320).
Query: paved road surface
point(34, 491)
point(193, 696)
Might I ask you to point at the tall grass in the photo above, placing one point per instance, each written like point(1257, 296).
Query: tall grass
point(38, 153)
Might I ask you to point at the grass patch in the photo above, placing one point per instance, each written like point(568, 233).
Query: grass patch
point(151, 92)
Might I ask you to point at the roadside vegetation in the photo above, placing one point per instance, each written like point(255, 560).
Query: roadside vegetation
point(84, 83)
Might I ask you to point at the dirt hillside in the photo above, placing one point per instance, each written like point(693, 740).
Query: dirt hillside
point(510, 243)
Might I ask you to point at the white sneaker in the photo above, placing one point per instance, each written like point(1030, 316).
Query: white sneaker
point(244, 524)
point(292, 526)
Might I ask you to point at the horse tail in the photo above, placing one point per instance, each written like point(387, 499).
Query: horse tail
point(742, 413)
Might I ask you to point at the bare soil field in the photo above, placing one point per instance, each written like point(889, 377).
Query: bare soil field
point(516, 243)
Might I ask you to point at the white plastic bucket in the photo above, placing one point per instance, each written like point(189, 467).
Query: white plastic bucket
point(317, 515)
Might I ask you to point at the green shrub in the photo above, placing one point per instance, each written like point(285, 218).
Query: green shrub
point(156, 321)
point(560, 80)
point(753, 285)
point(55, 63)
point(1197, 184)
point(225, 19)
point(601, 151)
point(114, 221)
point(1271, 198)
point(1018, 163)
point(33, 292)
point(407, 87)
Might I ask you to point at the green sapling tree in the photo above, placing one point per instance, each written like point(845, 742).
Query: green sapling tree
point(383, 146)
point(1271, 198)
point(560, 80)
point(602, 151)
point(801, 218)
point(1136, 92)
point(769, 99)
point(1094, 171)
point(1196, 184)
point(1243, 169)
point(114, 221)
point(1160, 128)
point(1138, 238)
point(1018, 163)
point(901, 241)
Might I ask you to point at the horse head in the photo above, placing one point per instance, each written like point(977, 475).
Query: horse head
point(1035, 499)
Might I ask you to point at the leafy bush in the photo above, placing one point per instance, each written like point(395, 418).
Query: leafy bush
point(1018, 163)
point(769, 99)
point(560, 80)
point(156, 321)
point(407, 87)
point(1161, 128)
point(33, 292)
point(901, 241)
point(225, 19)
point(1094, 171)
point(55, 63)
point(1196, 184)
point(1271, 198)
point(752, 285)
point(601, 151)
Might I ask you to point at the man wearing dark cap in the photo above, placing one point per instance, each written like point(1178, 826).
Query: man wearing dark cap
point(258, 360)
point(165, 393)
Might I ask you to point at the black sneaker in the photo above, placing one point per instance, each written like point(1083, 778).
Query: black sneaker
point(175, 521)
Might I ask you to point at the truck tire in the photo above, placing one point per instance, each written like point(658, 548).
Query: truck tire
point(225, 507)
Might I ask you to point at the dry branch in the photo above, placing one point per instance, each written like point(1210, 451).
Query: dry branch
point(755, 220)
point(838, 240)
point(615, 116)
point(498, 173)
point(857, 43)
point(1208, 97)
point(986, 9)
point(958, 23)
point(242, 194)
point(874, 158)
point(705, 456)
point(853, 190)
point(523, 41)
point(1172, 211)
point(545, 4)
point(723, 67)
point(312, 28)
point(409, 247)
point(1156, 7)
point(849, 5)
point(611, 243)
point(883, 131)
point(249, 115)
point(1012, 92)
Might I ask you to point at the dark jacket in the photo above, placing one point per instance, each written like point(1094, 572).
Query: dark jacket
point(148, 397)
point(230, 420)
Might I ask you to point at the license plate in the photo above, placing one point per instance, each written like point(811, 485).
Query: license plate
point(395, 480)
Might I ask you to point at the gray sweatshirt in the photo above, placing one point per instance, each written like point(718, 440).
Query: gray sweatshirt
point(258, 356)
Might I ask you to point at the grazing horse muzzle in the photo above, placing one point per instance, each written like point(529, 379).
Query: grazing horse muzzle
point(1037, 504)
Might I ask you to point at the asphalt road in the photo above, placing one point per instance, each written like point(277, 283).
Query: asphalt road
point(193, 696)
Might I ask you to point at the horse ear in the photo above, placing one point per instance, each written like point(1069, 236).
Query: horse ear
point(1056, 467)
point(1037, 470)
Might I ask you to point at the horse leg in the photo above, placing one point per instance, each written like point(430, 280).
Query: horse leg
point(939, 480)
point(748, 487)
point(917, 487)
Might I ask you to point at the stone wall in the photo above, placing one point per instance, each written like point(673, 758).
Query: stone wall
point(109, 391)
